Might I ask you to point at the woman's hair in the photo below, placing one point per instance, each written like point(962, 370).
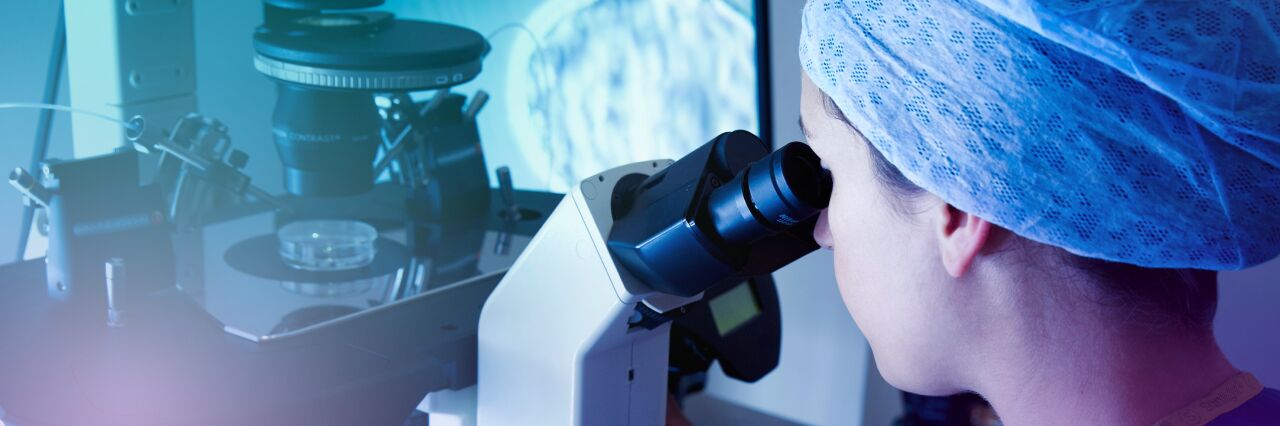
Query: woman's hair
point(1159, 298)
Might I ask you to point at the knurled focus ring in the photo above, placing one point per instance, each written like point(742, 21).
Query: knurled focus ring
point(400, 80)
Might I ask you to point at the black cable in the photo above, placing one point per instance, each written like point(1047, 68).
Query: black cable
point(52, 83)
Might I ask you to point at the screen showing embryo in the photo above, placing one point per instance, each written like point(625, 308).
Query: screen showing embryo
point(582, 86)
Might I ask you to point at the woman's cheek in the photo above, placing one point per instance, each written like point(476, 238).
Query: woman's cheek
point(848, 286)
point(836, 221)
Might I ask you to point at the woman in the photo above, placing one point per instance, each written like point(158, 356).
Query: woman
point(1031, 199)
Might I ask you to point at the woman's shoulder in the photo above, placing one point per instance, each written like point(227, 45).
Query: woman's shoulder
point(1263, 409)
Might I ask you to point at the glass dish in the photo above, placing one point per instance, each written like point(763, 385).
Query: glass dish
point(327, 245)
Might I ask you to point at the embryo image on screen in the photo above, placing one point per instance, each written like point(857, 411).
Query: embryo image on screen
point(624, 81)
point(580, 86)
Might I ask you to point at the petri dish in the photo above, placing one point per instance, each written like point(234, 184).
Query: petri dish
point(327, 245)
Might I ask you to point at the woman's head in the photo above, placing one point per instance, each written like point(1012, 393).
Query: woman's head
point(1029, 139)
point(929, 284)
point(1080, 129)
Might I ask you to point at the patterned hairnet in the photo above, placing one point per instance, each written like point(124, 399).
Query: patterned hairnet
point(1141, 132)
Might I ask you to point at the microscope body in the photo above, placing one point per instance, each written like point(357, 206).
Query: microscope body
point(578, 331)
point(557, 340)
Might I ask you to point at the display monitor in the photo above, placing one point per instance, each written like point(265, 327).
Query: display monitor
point(581, 86)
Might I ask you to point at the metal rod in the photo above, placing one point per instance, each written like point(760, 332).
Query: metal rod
point(204, 165)
point(26, 184)
point(184, 155)
point(117, 281)
point(396, 148)
point(477, 103)
point(52, 85)
point(507, 189)
point(266, 197)
point(434, 102)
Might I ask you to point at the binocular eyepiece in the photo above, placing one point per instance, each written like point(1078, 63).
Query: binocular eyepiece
point(728, 211)
point(771, 195)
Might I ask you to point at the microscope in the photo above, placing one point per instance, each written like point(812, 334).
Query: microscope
point(343, 80)
point(177, 291)
point(578, 331)
point(343, 117)
point(194, 287)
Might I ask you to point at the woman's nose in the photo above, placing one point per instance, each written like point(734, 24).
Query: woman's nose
point(822, 232)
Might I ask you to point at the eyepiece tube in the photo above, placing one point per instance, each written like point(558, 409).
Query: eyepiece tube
point(776, 192)
point(728, 210)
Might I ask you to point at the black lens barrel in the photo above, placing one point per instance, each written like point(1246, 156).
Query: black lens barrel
point(726, 211)
point(327, 139)
point(776, 192)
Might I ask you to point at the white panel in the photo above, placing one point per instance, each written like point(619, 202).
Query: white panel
point(554, 344)
point(127, 58)
point(537, 320)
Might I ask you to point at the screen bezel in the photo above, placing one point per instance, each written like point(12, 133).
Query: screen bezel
point(764, 75)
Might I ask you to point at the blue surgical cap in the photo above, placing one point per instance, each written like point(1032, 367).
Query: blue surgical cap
point(1139, 132)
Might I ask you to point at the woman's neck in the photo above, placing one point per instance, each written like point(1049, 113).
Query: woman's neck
point(1087, 371)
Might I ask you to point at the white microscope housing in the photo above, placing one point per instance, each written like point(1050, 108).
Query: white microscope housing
point(578, 330)
point(555, 343)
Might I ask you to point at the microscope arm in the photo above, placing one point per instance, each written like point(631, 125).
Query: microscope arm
point(556, 339)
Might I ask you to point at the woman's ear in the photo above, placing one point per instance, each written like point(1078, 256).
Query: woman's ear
point(961, 237)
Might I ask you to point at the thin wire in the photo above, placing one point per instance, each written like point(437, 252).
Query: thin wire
point(537, 43)
point(546, 117)
point(32, 105)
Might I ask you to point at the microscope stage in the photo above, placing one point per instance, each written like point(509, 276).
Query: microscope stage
point(363, 348)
